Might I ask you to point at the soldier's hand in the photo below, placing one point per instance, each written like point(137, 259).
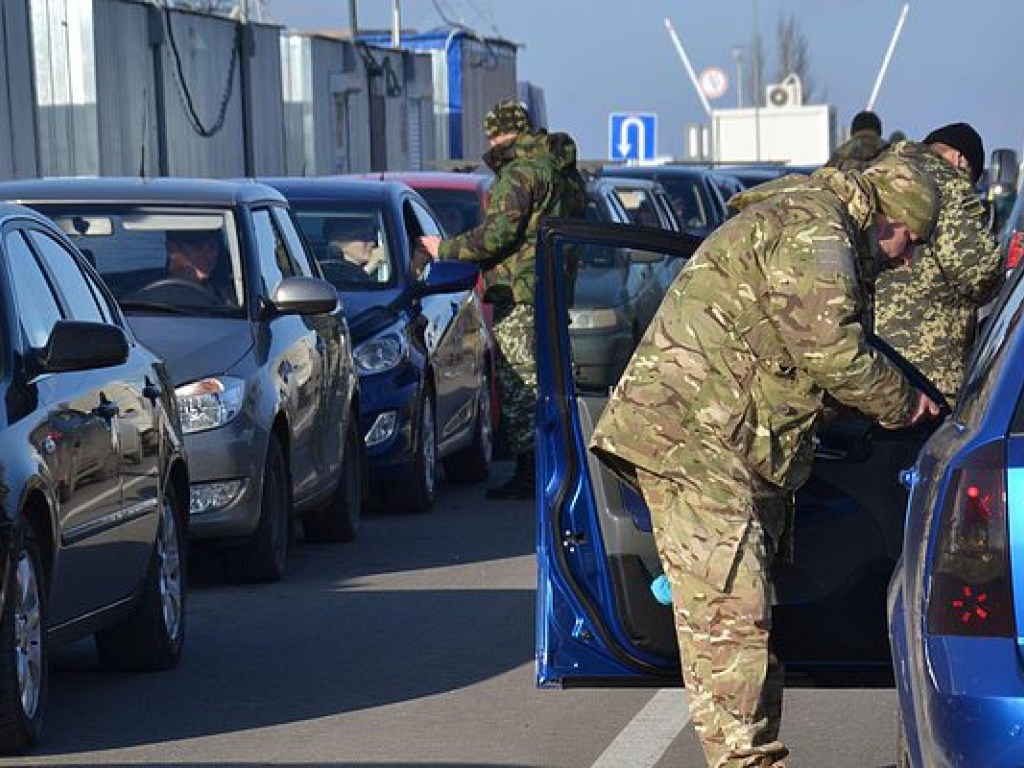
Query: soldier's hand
point(430, 244)
point(924, 410)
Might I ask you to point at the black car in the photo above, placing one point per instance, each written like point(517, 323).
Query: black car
point(421, 346)
point(92, 525)
point(215, 277)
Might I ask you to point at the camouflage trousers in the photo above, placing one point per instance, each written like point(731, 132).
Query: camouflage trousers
point(517, 373)
point(723, 625)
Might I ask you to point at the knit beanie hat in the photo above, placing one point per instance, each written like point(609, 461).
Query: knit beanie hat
point(507, 117)
point(963, 138)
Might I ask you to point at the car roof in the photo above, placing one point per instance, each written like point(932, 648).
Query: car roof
point(433, 179)
point(336, 188)
point(112, 189)
point(653, 171)
point(13, 210)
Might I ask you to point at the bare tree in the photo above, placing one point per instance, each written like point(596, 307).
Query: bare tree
point(754, 70)
point(794, 55)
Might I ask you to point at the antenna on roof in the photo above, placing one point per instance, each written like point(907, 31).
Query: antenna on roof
point(888, 56)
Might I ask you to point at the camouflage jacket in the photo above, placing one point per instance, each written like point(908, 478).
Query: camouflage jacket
point(859, 150)
point(760, 322)
point(927, 310)
point(536, 177)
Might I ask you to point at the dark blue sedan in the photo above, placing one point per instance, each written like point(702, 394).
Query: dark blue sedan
point(421, 348)
point(956, 602)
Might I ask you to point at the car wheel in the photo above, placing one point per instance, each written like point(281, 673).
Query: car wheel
point(153, 635)
point(419, 494)
point(340, 520)
point(473, 463)
point(23, 647)
point(263, 556)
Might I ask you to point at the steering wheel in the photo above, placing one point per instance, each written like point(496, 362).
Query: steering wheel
point(177, 290)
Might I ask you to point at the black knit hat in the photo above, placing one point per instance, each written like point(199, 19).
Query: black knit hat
point(965, 140)
point(866, 121)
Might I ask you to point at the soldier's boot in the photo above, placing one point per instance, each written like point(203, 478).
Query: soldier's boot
point(523, 483)
point(768, 755)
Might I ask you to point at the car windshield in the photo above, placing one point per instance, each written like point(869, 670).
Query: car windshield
point(457, 209)
point(639, 206)
point(157, 260)
point(351, 244)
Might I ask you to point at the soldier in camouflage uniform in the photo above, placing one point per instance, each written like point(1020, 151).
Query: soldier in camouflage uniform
point(863, 146)
point(928, 309)
point(535, 177)
point(715, 414)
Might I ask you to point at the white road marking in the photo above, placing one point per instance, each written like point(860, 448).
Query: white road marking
point(646, 738)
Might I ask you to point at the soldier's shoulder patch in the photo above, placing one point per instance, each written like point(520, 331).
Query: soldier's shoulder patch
point(833, 257)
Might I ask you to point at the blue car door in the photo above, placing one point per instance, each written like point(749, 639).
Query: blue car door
point(597, 619)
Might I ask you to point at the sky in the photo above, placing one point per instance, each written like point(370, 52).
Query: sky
point(954, 61)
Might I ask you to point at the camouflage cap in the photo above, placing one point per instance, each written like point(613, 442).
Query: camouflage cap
point(507, 117)
point(906, 193)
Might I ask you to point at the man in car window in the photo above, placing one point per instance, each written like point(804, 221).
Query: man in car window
point(863, 146)
point(353, 243)
point(535, 177)
point(715, 415)
point(928, 309)
point(195, 256)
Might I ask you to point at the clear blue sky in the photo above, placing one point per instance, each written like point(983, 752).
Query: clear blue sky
point(955, 60)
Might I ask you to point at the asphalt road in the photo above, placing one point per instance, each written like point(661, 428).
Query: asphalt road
point(412, 646)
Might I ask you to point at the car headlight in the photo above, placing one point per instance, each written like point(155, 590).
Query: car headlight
point(593, 319)
point(381, 353)
point(209, 403)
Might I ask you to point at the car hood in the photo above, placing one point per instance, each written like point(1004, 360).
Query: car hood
point(368, 312)
point(194, 347)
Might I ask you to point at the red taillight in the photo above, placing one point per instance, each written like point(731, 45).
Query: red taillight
point(970, 590)
point(1015, 250)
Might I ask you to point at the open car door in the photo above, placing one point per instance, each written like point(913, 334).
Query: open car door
point(598, 622)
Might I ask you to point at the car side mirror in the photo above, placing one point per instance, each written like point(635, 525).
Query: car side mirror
point(447, 277)
point(304, 296)
point(76, 345)
point(1003, 169)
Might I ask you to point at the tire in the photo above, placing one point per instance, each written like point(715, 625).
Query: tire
point(473, 463)
point(23, 647)
point(153, 635)
point(419, 493)
point(263, 557)
point(340, 520)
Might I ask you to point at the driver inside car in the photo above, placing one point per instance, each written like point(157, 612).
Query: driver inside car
point(352, 244)
point(194, 255)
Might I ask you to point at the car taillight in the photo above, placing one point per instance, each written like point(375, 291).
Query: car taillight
point(970, 591)
point(1015, 250)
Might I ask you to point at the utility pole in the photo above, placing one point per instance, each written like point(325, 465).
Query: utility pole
point(353, 17)
point(737, 54)
point(758, 89)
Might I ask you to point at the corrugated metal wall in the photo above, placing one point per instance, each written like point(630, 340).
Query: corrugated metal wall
point(488, 76)
point(19, 153)
point(267, 105)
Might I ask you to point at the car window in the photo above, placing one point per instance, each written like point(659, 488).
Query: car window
point(270, 250)
point(350, 243)
point(457, 210)
point(38, 310)
point(639, 206)
point(156, 259)
point(69, 279)
point(980, 379)
point(296, 248)
point(427, 224)
point(687, 201)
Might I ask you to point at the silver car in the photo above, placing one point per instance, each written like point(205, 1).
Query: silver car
point(215, 277)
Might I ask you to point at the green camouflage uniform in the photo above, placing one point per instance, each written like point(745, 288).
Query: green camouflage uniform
point(860, 149)
point(928, 309)
point(536, 177)
point(715, 413)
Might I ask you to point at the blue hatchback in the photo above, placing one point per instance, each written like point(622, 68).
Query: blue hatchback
point(956, 614)
point(420, 344)
point(597, 619)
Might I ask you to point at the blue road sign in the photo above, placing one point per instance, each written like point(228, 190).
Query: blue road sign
point(632, 135)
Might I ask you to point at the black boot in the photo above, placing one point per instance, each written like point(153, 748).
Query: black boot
point(523, 483)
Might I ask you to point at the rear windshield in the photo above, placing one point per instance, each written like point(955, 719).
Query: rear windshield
point(161, 260)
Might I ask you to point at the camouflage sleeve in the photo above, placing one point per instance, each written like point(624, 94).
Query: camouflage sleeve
point(815, 299)
point(967, 252)
point(509, 201)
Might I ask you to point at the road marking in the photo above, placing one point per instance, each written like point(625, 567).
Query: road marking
point(646, 738)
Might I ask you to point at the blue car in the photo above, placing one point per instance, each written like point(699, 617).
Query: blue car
point(421, 348)
point(956, 615)
point(597, 619)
